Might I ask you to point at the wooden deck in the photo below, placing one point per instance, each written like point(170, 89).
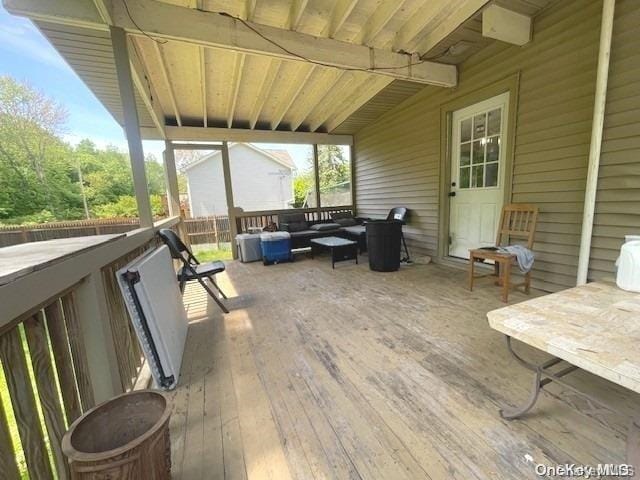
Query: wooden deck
point(353, 374)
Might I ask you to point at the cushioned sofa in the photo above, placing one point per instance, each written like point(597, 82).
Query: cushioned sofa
point(342, 225)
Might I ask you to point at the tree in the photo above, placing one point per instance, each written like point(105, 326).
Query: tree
point(333, 166)
point(35, 175)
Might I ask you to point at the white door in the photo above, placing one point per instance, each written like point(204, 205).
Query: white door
point(477, 174)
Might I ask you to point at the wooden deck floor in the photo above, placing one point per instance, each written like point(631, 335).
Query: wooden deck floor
point(353, 374)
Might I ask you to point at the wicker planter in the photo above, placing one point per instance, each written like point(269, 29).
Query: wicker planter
point(126, 437)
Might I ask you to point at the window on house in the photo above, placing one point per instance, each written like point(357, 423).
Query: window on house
point(480, 139)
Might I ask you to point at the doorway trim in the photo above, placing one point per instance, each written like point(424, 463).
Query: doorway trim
point(509, 84)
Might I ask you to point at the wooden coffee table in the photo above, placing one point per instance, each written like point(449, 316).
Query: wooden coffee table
point(341, 248)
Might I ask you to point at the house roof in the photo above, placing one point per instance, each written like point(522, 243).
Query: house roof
point(281, 157)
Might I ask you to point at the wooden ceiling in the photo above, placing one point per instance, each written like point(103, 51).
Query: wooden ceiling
point(199, 86)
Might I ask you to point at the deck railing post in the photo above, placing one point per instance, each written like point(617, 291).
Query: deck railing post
point(93, 316)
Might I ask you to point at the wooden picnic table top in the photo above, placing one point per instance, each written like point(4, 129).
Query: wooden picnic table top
point(595, 327)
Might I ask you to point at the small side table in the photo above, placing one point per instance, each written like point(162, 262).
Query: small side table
point(341, 248)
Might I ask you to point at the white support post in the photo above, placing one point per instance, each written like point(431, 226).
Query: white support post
point(316, 173)
point(93, 315)
point(606, 30)
point(171, 180)
point(226, 169)
point(131, 124)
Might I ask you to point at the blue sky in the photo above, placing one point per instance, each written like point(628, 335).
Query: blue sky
point(28, 57)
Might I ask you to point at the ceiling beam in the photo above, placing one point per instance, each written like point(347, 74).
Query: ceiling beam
point(146, 88)
point(235, 86)
point(298, 86)
point(377, 21)
point(203, 86)
point(369, 89)
point(451, 22)
point(265, 88)
point(167, 81)
point(171, 22)
point(341, 11)
point(200, 134)
point(295, 13)
point(316, 97)
point(506, 25)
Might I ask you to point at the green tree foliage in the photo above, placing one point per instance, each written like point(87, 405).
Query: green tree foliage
point(333, 169)
point(126, 206)
point(333, 166)
point(43, 179)
point(35, 175)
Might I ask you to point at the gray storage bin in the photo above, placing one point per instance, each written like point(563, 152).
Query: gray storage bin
point(249, 247)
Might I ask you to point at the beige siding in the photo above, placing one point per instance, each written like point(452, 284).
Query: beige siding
point(618, 199)
point(398, 157)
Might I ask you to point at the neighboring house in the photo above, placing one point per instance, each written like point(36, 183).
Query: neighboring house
point(261, 180)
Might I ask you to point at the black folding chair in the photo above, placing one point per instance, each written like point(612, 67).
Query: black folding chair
point(191, 268)
point(400, 214)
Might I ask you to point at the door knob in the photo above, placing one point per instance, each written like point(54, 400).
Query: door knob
point(452, 194)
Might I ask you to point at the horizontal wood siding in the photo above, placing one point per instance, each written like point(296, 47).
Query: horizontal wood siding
point(618, 198)
point(398, 157)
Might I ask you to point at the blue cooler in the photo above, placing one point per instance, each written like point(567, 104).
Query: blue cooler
point(276, 247)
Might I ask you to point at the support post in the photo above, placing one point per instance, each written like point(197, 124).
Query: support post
point(352, 149)
point(226, 169)
point(606, 30)
point(93, 315)
point(171, 180)
point(316, 173)
point(131, 124)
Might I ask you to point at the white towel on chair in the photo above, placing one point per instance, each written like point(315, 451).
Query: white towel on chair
point(524, 256)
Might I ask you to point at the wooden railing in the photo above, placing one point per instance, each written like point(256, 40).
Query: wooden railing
point(260, 219)
point(214, 229)
point(66, 344)
point(15, 234)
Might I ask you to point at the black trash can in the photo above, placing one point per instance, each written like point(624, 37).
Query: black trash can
point(383, 245)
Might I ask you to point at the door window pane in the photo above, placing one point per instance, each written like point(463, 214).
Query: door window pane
point(334, 171)
point(493, 149)
point(465, 154)
point(464, 177)
point(493, 127)
point(465, 130)
point(477, 175)
point(479, 126)
point(491, 179)
point(478, 152)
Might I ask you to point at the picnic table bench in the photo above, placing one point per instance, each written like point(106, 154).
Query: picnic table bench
point(595, 327)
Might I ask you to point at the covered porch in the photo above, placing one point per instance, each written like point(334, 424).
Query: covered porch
point(345, 373)
point(321, 373)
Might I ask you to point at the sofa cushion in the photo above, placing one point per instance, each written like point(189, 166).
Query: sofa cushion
point(305, 233)
point(295, 222)
point(297, 226)
point(355, 230)
point(323, 227)
point(346, 222)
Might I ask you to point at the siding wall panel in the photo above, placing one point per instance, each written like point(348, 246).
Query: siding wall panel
point(398, 156)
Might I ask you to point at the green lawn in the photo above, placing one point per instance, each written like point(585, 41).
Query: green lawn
point(209, 252)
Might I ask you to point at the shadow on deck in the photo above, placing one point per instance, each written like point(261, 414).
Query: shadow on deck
point(354, 374)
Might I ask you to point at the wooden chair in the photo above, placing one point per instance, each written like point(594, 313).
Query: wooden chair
point(517, 220)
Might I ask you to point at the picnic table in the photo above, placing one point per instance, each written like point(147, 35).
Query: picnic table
point(595, 327)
